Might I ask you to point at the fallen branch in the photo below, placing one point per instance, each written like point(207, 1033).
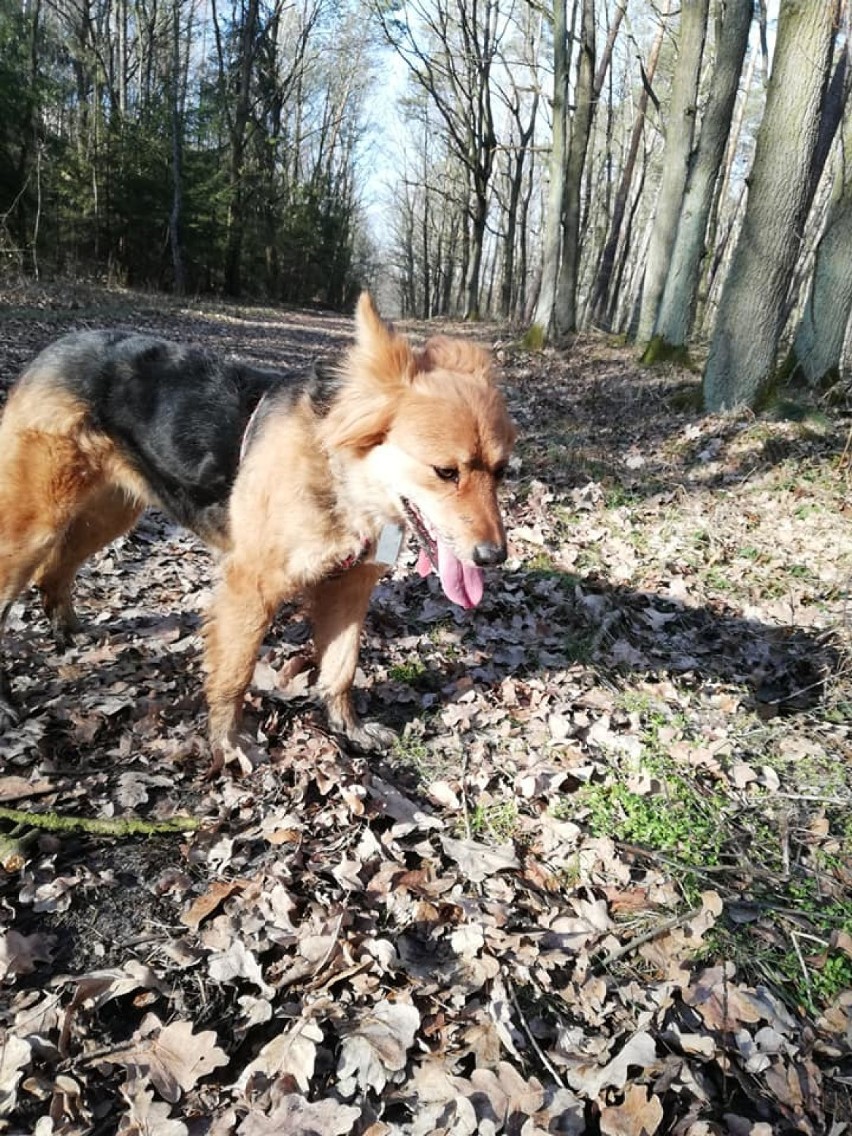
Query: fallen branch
point(605, 962)
point(117, 826)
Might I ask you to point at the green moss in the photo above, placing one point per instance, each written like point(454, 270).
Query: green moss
point(658, 350)
point(534, 338)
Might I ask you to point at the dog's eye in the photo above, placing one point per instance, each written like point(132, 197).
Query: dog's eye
point(446, 473)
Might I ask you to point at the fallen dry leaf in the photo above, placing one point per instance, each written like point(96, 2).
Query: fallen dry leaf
point(172, 1056)
point(639, 1114)
point(376, 1048)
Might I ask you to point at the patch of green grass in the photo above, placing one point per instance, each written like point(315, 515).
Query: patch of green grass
point(749, 552)
point(542, 562)
point(619, 496)
point(411, 750)
point(721, 580)
point(579, 646)
point(672, 819)
point(808, 509)
point(408, 672)
point(833, 977)
point(795, 957)
point(497, 821)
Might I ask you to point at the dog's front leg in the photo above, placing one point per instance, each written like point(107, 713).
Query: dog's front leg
point(241, 610)
point(337, 607)
point(8, 710)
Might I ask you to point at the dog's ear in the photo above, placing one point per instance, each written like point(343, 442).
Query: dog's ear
point(380, 356)
point(440, 353)
point(374, 373)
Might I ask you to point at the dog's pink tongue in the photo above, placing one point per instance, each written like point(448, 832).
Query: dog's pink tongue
point(462, 583)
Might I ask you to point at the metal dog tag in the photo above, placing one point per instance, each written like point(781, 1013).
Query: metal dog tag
point(388, 544)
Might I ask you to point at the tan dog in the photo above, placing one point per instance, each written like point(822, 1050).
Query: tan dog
point(303, 482)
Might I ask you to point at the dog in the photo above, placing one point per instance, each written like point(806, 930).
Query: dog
point(303, 483)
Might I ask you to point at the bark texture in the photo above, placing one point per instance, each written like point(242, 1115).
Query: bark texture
point(677, 306)
point(556, 188)
point(565, 312)
point(679, 133)
point(818, 346)
point(741, 359)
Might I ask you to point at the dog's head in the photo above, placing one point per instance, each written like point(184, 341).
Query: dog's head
point(434, 433)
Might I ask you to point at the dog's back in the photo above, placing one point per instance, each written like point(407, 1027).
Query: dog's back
point(174, 412)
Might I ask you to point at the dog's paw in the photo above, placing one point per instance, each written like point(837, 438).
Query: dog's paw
point(64, 637)
point(371, 737)
point(64, 624)
point(9, 713)
point(239, 750)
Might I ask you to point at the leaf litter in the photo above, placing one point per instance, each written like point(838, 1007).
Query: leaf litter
point(603, 883)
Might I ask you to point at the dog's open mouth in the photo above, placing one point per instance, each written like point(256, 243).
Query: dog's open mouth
point(462, 583)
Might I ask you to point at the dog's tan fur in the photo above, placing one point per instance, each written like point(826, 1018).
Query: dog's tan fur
point(312, 491)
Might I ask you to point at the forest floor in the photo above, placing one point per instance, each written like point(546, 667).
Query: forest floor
point(603, 884)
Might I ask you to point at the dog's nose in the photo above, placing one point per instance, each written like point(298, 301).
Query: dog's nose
point(488, 554)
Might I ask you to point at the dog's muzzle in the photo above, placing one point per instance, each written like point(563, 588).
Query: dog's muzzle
point(488, 554)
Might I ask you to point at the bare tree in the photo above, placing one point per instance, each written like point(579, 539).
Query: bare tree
point(522, 106)
point(552, 239)
point(565, 310)
point(741, 361)
point(235, 83)
point(677, 306)
point(680, 125)
point(604, 295)
point(449, 47)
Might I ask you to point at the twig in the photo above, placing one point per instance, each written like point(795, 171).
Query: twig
point(465, 816)
point(794, 938)
point(658, 929)
point(539, 1052)
point(117, 826)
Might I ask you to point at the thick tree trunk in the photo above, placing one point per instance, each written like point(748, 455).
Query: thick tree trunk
point(741, 360)
point(677, 306)
point(818, 345)
point(680, 126)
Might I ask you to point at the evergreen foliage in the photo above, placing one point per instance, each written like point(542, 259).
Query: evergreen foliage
point(88, 146)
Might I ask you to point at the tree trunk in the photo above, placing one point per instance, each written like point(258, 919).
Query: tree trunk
point(238, 121)
point(604, 296)
point(556, 173)
point(818, 345)
point(176, 214)
point(677, 306)
point(565, 310)
point(741, 360)
point(715, 246)
point(680, 126)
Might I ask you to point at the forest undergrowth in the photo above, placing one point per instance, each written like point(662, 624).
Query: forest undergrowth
point(603, 883)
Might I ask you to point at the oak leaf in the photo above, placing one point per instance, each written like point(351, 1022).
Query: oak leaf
point(637, 1115)
point(377, 1047)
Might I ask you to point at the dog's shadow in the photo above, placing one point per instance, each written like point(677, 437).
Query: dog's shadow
point(541, 624)
point(420, 655)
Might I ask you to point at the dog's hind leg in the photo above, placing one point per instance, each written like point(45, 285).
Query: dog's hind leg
point(107, 513)
point(47, 473)
point(337, 608)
